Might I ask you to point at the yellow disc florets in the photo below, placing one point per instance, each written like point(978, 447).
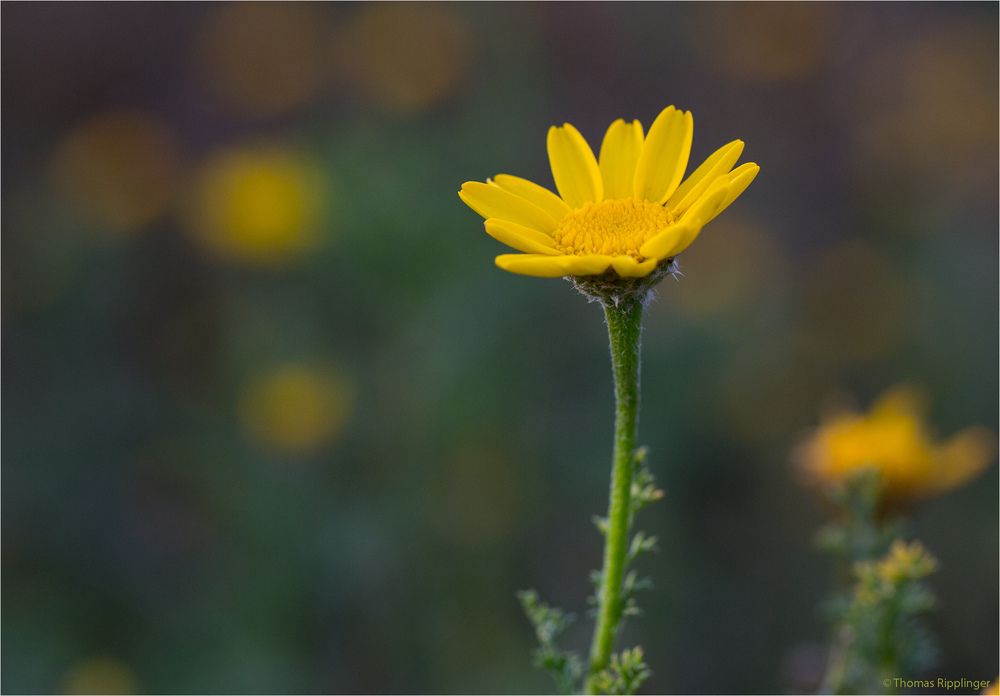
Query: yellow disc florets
point(612, 228)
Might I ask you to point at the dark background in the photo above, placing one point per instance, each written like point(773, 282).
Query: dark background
point(440, 433)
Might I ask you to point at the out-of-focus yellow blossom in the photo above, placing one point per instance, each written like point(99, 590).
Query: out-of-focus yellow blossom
point(297, 408)
point(905, 562)
point(99, 675)
point(926, 110)
point(881, 580)
point(628, 211)
point(769, 42)
point(404, 57)
point(259, 205)
point(879, 632)
point(262, 59)
point(893, 440)
point(993, 689)
point(119, 169)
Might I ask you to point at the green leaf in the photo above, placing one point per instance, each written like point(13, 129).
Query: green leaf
point(550, 623)
point(624, 675)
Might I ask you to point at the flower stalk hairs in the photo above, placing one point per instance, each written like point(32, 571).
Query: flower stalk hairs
point(614, 229)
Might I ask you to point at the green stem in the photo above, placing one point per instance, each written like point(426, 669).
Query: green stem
point(624, 326)
point(836, 667)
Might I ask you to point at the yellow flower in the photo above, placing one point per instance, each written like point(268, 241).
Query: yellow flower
point(893, 440)
point(100, 674)
point(259, 205)
point(905, 562)
point(297, 408)
point(120, 170)
point(406, 57)
point(627, 211)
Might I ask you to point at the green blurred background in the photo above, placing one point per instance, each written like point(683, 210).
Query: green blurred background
point(274, 422)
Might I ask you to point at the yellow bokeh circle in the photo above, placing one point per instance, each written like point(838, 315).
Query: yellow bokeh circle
point(297, 408)
point(260, 205)
point(119, 170)
point(404, 57)
point(262, 59)
point(99, 674)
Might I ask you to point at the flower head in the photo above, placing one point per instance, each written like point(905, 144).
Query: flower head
point(892, 439)
point(906, 561)
point(120, 170)
point(626, 211)
point(260, 205)
point(297, 408)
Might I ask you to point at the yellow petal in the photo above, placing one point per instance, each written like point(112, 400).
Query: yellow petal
point(533, 193)
point(670, 241)
point(591, 264)
point(902, 400)
point(574, 168)
point(704, 209)
point(538, 265)
point(678, 237)
point(494, 202)
point(719, 194)
point(739, 179)
point(964, 457)
point(719, 163)
point(664, 155)
point(520, 237)
point(619, 154)
point(627, 267)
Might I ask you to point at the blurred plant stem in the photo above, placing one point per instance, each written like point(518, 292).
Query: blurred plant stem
point(877, 635)
point(855, 539)
point(624, 327)
point(860, 533)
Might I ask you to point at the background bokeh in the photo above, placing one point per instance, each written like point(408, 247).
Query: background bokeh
point(274, 422)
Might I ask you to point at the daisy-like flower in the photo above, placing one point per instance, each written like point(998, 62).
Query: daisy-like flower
point(614, 230)
point(626, 211)
point(894, 440)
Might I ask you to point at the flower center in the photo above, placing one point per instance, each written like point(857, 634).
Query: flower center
point(611, 228)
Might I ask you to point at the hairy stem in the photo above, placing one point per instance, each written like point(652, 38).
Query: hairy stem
point(624, 326)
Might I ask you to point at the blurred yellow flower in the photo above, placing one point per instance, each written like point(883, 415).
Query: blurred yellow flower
point(119, 169)
point(627, 211)
point(765, 42)
point(99, 675)
point(905, 562)
point(893, 440)
point(258, 205)
point(993, 689)
point(925, 112)
point(297, 408)
point(263, 59)
point(405, 57)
